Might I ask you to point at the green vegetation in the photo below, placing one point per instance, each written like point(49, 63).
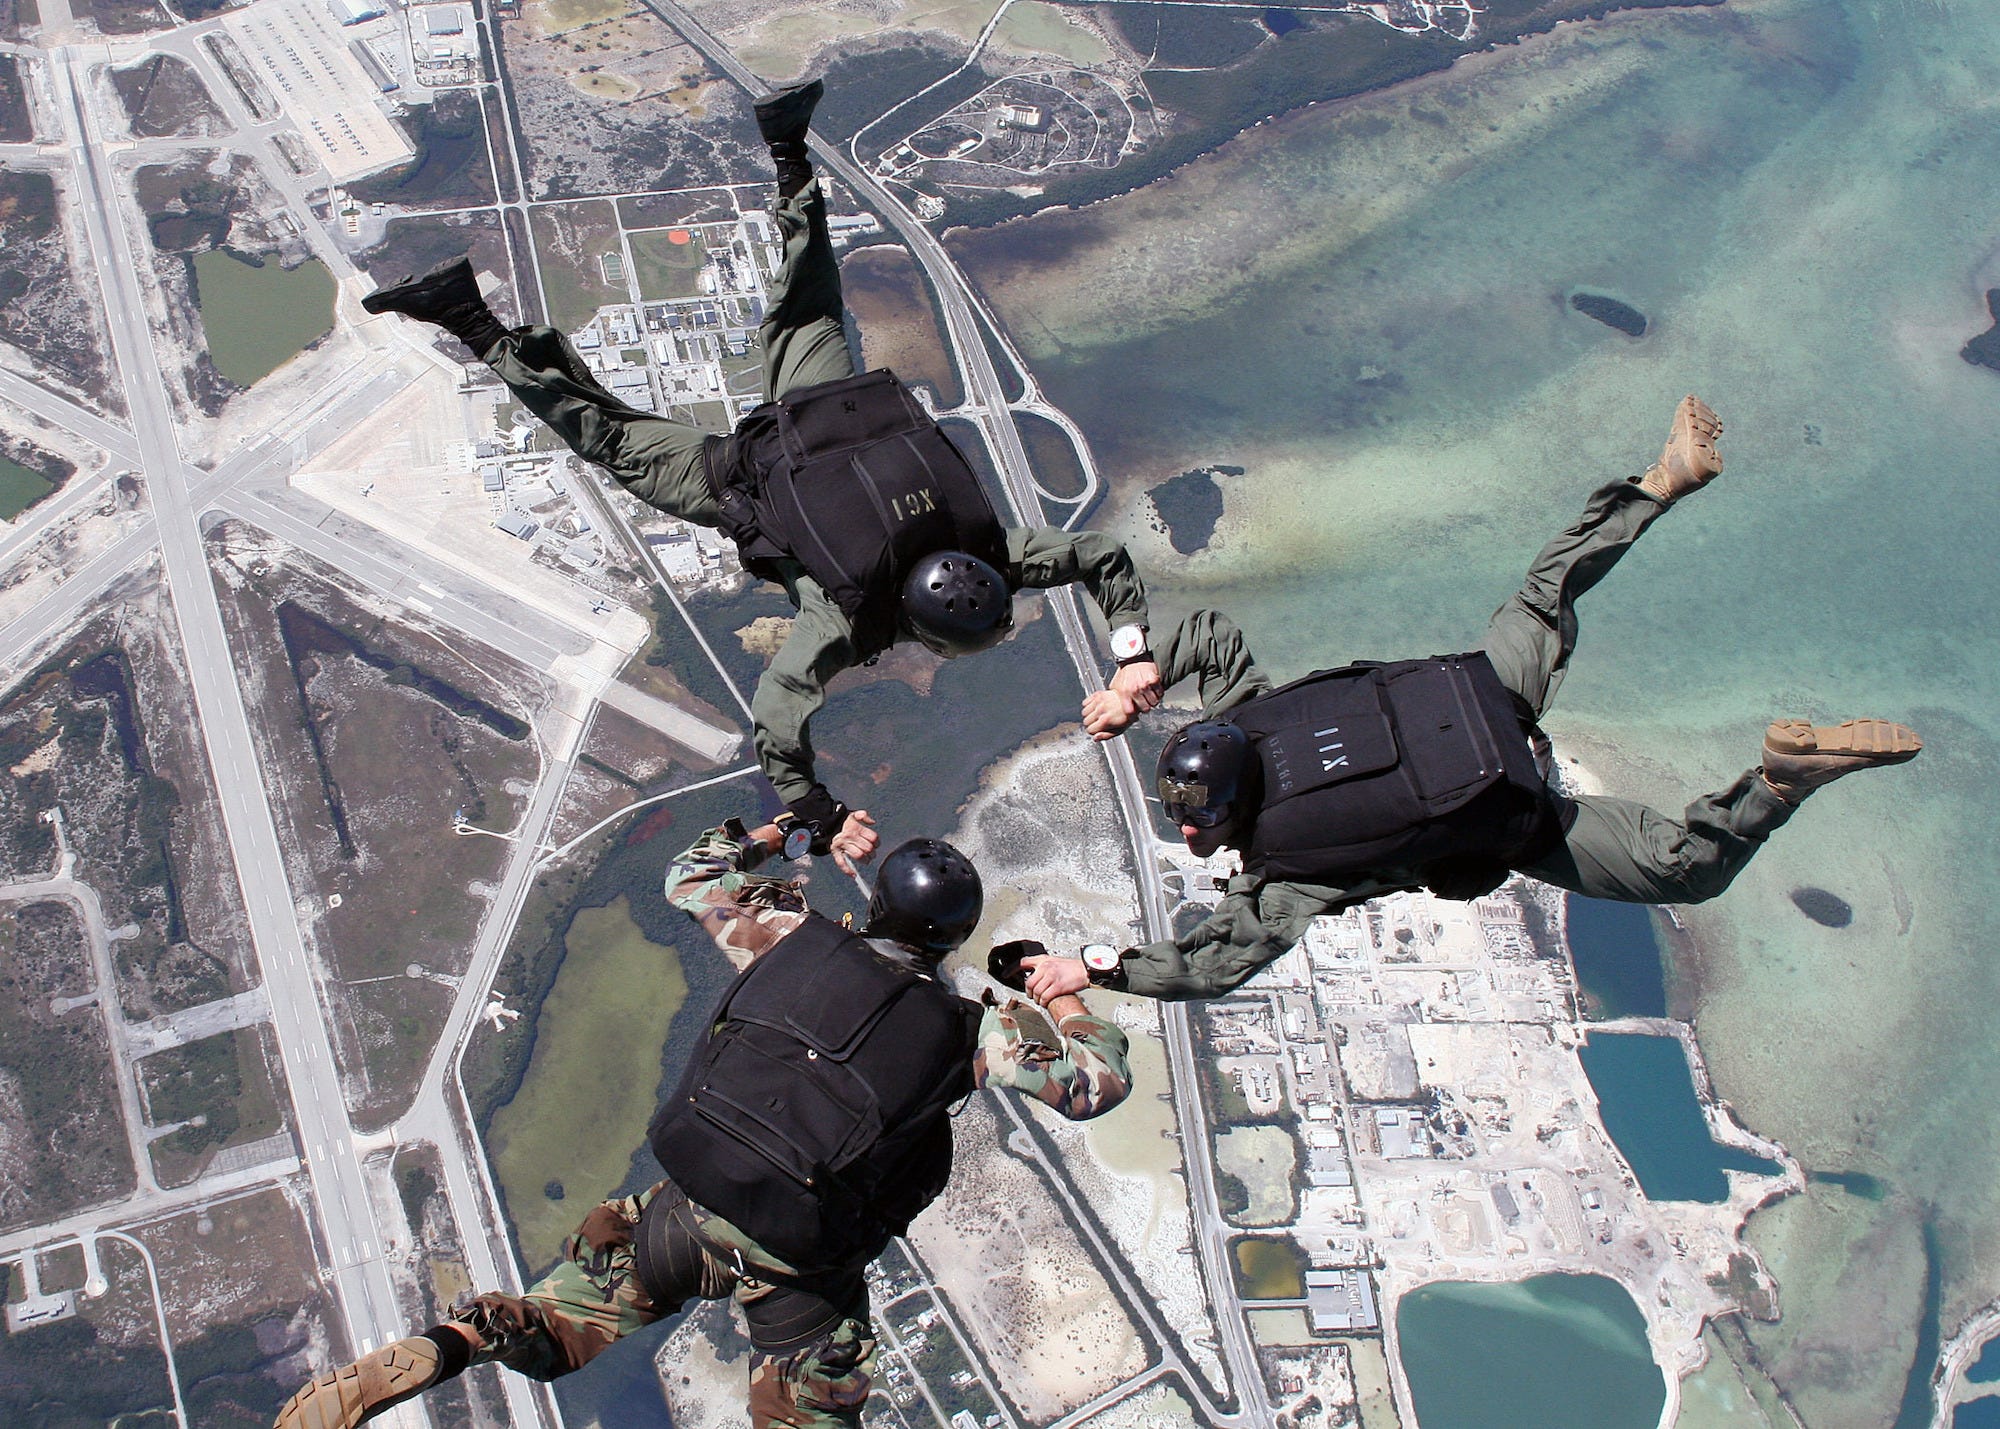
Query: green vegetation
point(860, 88)
point(590, 1088)
point(415, 1185)
point(668, 269)
point(221, 1080)
point(416, 245)
point(1268, 1269)
point(28, 208)
point(17, 124)
point(450, 168)
point(1051, 454)
point(70, 1375)
point(188, 209)
point(1188, 36)
point(569, 239)
point(20, 488)
point(69, 1128)
point(259, 316)
point(1262, 1161)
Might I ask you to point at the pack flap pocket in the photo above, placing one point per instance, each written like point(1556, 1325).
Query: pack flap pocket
point(1348, 738)
point(851, 412)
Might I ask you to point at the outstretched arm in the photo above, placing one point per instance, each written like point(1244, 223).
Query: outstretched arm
point(820, 646)
point(1206, 644)
point(746, 912)
point(1246, 931)
point(1082, 1074)
point(1043, 556)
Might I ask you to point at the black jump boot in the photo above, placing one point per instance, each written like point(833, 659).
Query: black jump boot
point(783, 118)
point(447, 296)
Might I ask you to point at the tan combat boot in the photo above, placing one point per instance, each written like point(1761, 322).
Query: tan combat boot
point(355, 1393)
point(1689, 460)
point(1799, 757)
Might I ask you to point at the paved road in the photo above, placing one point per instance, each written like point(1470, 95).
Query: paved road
point(225, 1014)
point(408, 576)
point(440, 1113)
point(359, 1278)
point(59, 411)
point(150, 1206)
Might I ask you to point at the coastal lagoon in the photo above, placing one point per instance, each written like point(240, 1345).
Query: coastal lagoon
point(1551, 1352)
point(1617, 957)
point(1364, 306)
point(1646, 1094)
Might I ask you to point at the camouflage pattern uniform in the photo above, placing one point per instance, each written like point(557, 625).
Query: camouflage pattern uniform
point(1611, 848)
point(593, 1298)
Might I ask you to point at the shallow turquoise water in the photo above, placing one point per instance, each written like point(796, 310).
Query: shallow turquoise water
point(1803, 196)
point(1552, 1352)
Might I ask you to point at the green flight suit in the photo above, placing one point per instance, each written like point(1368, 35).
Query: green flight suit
point(803, 339)
point(1611, 848)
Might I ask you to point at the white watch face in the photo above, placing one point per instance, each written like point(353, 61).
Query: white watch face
point(1127, 641)
point(1100, 957)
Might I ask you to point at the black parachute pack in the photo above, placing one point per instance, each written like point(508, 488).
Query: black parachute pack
point(815, 1113)
point(855, 482)
point(1419, 765)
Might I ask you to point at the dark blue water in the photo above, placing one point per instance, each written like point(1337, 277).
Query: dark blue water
point(1617, 955)
point(1647, 1094)
point(1281, 22)
point(1985, 1369)
point(1977, 1414)
point(1553, 1352)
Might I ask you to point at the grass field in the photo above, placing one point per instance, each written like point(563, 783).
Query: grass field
point(570, 239)
point(668, 269)
point(1042, 29)
point(589, 1092)
point(1264, 1159)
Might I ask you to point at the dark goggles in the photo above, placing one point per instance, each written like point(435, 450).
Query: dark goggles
point(1189, 804)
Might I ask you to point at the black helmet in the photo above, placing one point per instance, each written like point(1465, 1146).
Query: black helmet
point(956, 604)
point(927, 895)
point(1201, 772)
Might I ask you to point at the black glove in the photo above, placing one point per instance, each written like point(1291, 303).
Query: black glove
point(823, 813)
point(1003, 964)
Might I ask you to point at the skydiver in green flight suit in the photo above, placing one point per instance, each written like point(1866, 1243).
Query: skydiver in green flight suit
point(1354, 783)
point(841, 489)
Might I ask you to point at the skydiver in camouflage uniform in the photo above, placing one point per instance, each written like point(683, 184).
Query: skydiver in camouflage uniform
point(794, 1260)
point(956, 602)
point(1593, 845)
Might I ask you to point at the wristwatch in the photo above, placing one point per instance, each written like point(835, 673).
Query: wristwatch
point(1105, 966)
point(798, 835)
point(1128, 645)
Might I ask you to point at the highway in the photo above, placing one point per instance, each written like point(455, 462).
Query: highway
point(983, 387)
point(349, 1249)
